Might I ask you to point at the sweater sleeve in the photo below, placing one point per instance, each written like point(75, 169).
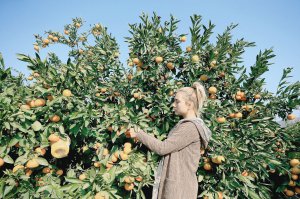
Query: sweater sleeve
point(185, 134)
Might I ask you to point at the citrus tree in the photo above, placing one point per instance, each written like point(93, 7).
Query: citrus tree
point(65, 134)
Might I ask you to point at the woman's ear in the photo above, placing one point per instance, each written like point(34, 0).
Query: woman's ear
point(189, 105)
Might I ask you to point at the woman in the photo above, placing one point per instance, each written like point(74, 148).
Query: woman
point(176, 177)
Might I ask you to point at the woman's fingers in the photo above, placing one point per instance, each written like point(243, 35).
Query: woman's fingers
point(131, 133)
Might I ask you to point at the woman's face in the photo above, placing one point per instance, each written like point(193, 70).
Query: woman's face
point(179, 105)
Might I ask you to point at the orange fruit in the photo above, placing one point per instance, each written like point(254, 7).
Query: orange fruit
point(67, 93)
point(53, 138)
point(31, 103)
point(221, 119)
point(136, 61)
point(103, 90)
point(294, 177)
point(101, 195)
point(207, 166)
point(55, 39)
point(295, 170)
point(170, 65)
point(128, 179)
point(97, 145)
point(238, 97)
point(46, 41)
point(40, 150)
point(213, 64)
point(97, 164)
point(136, 95)
point(123, 155)
point(238, 115)
point(292, 183)
point(105, 152)
point(231, 115)
point(203, 77)
point(33, 163)
point(294, 162)
point(139, 178)
point(46, 170)
point(195, 58)
point(183, 39)
point(77, 25)
point(127, 145)
point(109, 164)
point(82, 176)
point(66, 32)
point(36, 74)
point(1, 162)
point(297, 190)
point(59, 172)
point(257, 96)
point(158, 60)
point(188, 49)
point(17, 167)
point(212, 90)
point(39, 102)
point(245, 173)
point(55, 118)
point(37, 48)
point(114, 158)
point(129, 186)
point(28, 172)
point(127, 150)
point(220, 195)
point(291, 117)
point(289, 193)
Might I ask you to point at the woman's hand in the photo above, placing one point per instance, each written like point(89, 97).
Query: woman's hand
point(132, 133)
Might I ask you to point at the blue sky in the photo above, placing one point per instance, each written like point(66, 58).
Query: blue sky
point(268, 23)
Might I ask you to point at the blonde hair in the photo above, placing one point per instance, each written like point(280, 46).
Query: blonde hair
point(195, 94)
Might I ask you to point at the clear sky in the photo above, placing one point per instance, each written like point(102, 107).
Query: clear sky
point(269, 23)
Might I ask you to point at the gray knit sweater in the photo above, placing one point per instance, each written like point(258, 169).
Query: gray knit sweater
point(176, 177)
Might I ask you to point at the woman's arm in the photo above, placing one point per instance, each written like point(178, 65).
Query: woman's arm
point(185, 134)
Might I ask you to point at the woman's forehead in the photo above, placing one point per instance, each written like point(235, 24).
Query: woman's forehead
point(178, 95)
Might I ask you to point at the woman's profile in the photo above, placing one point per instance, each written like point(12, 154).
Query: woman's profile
point(175, 177)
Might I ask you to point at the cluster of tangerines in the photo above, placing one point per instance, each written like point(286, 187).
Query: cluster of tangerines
point(113, 158)
point(32, 164)
point(218, 159)
point(170, 65)
point(136, 61)
point(293, 185)
point(40, 102)
point(53, 37)
point(46, 42)
point(238, 96)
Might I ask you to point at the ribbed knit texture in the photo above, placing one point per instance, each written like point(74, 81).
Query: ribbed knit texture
point(176, 174)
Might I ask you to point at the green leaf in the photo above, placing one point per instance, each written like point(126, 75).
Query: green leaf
point(73, 180)
point(8, 159)
point(42, 161)
point(253, 195)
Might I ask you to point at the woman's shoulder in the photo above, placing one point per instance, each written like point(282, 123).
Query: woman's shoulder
point(193, 120)
point(190, 123)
